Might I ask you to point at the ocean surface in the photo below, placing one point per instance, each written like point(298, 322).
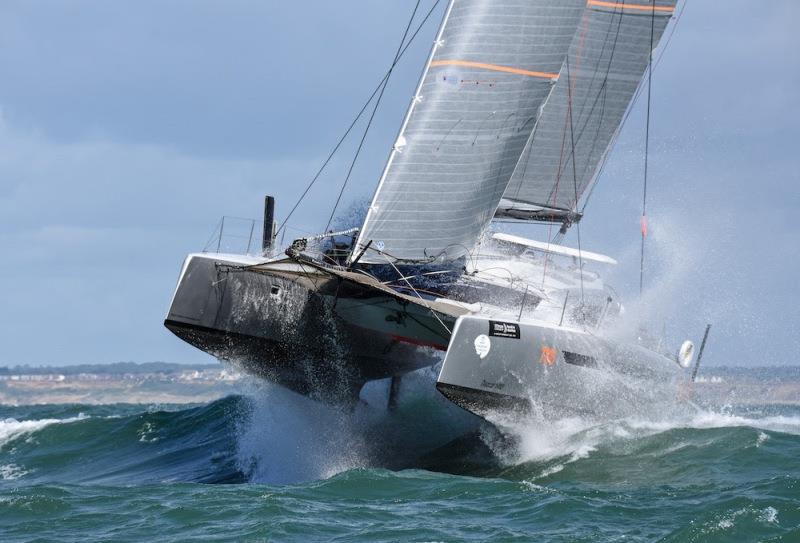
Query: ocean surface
point(270, 466)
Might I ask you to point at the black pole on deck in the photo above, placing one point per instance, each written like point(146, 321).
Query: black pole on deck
point(700, 354)
point(394, 392)
point(268, 239)
point(522, 305)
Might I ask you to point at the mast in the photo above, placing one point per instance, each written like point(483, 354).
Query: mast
point(647, 147)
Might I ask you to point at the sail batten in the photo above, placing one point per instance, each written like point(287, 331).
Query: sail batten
point(492, 66)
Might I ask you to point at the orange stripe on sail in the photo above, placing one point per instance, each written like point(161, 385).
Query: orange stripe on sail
point(494, 68)
point(623, 5)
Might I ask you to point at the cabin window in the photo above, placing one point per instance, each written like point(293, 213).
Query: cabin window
point(580, 360)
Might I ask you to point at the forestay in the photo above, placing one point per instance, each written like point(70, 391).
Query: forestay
point(493, 65)
point(607, 58)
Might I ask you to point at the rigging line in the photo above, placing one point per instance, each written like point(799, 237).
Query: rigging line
point(425, 302)
point(602, 92)
point(372, 115)
point(647, 147)
point(581, 42)
point(597, 71)
point(603, 86)
point(554, 192)
point(430, 329)
point(574, 173)
point(656, 63)
point(583, 25)
point(213, 235)
point(418, 275)
point(635, 99)
point(356, 119)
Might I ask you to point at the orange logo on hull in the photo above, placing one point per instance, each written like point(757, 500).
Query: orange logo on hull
point(548, 356)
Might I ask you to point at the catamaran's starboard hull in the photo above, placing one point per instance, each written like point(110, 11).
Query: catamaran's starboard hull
point(313, 332)
point(494, 369)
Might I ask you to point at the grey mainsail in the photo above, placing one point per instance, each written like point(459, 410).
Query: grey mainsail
point(493, 65)
point(607, 59)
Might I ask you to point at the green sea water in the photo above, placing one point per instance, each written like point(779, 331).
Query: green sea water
point(276, 468)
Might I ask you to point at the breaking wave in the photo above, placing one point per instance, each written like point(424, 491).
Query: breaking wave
point(706, 475)
point(271, 435)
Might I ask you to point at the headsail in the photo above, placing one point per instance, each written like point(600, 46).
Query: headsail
point(606, 61)
point(492, 66)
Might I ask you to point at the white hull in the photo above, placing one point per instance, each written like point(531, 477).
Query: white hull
point(493, 367)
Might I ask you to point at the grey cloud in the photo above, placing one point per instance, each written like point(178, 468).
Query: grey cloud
point(129, 128)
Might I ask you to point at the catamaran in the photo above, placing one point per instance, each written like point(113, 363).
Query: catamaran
point(515, 113)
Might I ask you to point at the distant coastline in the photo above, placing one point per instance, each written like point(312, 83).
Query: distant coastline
point(122, 382)
point(112, 368)
point(164, 382)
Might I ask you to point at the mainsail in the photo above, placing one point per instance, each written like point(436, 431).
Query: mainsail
point(492, 67)
point(607, 58)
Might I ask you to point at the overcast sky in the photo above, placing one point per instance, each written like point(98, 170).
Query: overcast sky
point(127, 129)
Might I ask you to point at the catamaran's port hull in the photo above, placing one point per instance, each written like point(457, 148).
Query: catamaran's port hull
point(318, 333)
point(496, 369)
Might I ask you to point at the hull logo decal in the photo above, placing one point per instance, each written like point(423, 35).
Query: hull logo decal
point(504, 329)
point(548, 356)
point(482, 345)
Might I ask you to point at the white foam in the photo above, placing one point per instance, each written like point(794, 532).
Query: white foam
point(552, 470)
point(11, 429)
point(533, 487)
point(769, 515)
point(11, 472)
point(147, 433)
point(726, 522)
point(707, 419)
point(540, 439)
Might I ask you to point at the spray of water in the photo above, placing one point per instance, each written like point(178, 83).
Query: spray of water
point(290, 438)
point(285, 437)
point(666, 306)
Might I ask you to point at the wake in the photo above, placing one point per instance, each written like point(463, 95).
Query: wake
point(287, 438)
point(274, 436)
point(541, 448)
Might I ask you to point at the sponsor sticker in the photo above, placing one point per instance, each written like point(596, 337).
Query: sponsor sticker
point(482, 345)
point(504, 329)
point(548, 356)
